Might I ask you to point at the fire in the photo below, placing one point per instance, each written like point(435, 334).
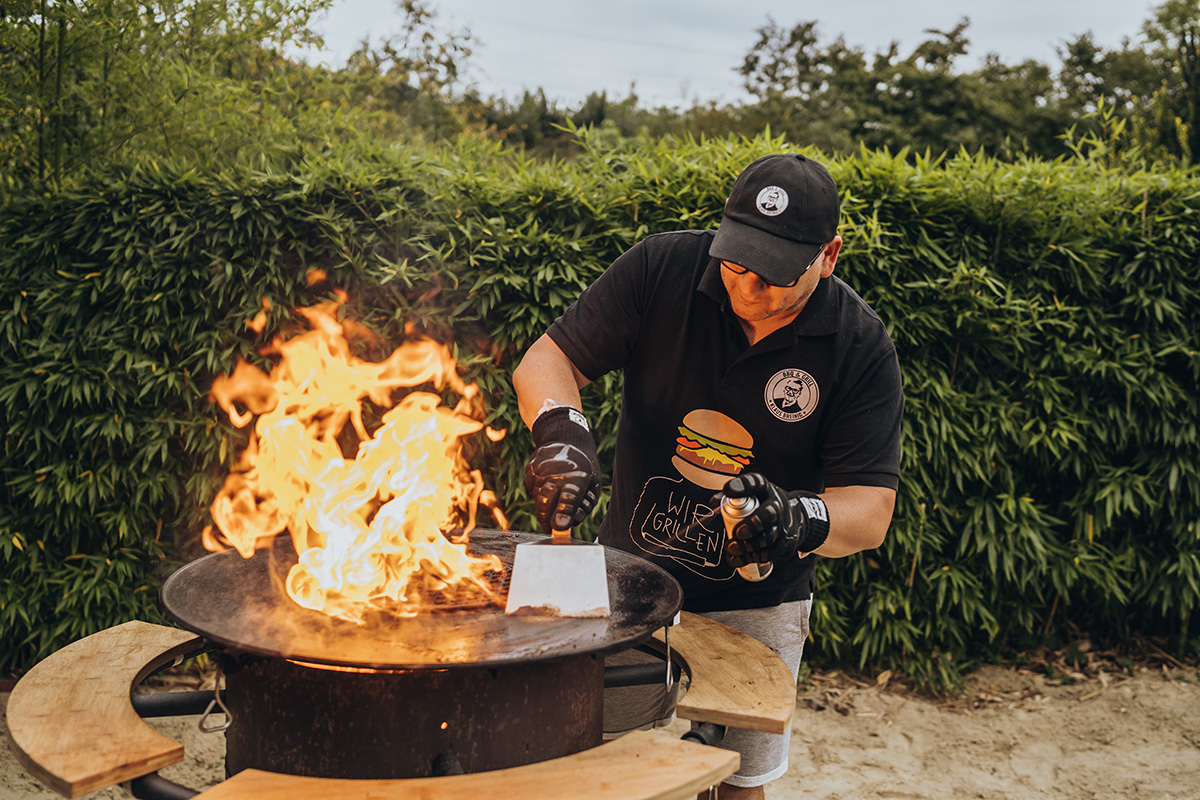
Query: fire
point(368, 511)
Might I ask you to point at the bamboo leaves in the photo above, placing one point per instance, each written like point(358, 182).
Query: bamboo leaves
point(1041, 311)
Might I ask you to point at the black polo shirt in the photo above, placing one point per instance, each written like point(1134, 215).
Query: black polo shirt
point(818, 403)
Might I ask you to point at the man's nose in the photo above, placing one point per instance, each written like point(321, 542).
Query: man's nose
point(749, 283)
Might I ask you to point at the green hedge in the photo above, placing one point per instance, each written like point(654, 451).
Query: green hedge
point(1041, 312)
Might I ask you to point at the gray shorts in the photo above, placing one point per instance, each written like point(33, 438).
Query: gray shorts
point(764, 755)
point(782, 628)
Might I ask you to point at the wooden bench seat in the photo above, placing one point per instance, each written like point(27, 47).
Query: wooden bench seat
point(644, 765)
point(736, 680)
point(72, 725)
point(71, 722)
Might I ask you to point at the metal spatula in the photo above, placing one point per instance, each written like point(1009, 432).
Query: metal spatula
point(558, 577)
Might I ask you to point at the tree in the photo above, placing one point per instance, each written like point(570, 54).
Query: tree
point(822, 96)
point(407, 81)
point(89, 82)
point(535, 123)
point(1171, 122)
point(1122, 78)
point(837, 98)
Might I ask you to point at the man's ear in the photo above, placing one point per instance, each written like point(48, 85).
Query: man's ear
point(829, 257)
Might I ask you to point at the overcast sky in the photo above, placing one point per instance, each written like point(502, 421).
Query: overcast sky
point(679, 51)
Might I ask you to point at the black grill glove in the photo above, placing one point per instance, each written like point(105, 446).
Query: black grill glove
point(563, 476)
point(783, 525)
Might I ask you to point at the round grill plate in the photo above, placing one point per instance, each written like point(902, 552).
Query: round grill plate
point(240, 604)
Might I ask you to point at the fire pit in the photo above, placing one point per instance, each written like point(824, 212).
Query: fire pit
point(74, 725)
point(448, 690)
point(365, 651)
point(370, 640)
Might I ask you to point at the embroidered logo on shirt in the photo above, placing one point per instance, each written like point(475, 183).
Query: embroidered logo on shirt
point(771, 201)
point(791, 394)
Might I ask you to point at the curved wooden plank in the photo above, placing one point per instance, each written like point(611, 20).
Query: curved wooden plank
point(736, 680)
point(644, 765)
point(70, 720)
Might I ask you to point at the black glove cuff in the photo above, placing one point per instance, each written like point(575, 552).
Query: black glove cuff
point(816, 515)
point(566, 425)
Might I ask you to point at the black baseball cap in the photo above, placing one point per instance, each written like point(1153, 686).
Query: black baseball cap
point(783, 209)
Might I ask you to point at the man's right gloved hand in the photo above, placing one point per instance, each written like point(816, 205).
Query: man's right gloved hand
point(563, 476)
point(784, 524)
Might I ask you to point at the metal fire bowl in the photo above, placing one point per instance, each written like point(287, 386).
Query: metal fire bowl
point(241, 605)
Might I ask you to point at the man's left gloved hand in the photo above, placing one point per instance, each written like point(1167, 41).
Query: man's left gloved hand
point(783, 525)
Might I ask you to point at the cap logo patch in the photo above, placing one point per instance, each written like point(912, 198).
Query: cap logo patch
point(771, 201)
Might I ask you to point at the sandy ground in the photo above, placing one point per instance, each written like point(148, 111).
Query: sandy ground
point(1016, 734)
point(1013, 736)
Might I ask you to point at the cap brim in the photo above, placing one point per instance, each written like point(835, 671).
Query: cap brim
point(776, 260)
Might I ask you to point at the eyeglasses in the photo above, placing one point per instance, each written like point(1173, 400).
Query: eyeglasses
point(737, 269)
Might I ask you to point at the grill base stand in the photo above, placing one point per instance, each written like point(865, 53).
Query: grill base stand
point(302, 720)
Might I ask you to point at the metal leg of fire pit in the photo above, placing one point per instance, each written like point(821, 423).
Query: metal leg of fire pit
point(706, 733)
point(156, 787)
point(171, 704)
point(637, 675)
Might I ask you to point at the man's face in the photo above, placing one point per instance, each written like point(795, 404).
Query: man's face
point(755, 300)
point(791, 392)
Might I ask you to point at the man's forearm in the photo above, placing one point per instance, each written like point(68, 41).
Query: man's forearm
point(545, 373)
point(859, 517)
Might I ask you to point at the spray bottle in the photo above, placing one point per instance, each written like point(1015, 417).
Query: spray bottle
point(734, 510)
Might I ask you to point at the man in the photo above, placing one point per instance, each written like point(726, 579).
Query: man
point(748, 371)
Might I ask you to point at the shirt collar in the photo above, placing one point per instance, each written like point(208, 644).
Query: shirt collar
point(820, 314)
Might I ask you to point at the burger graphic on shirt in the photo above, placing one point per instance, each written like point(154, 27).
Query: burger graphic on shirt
point(711, 448)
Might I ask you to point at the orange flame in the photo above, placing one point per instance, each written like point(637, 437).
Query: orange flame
point(370, 529)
